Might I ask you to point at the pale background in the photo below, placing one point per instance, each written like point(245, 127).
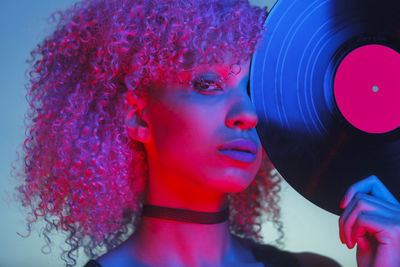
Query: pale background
point(22, 26)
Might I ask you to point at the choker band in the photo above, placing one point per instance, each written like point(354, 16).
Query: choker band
point(183, 215)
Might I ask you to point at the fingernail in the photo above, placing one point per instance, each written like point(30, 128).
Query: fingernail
point(342, 203)
point(361, 244)
point(349, 244)
point(352, 244)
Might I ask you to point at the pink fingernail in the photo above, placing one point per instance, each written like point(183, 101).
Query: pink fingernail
point(342, 204)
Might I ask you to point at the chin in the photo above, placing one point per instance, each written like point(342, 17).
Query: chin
point(238, 187)
point(232, 183)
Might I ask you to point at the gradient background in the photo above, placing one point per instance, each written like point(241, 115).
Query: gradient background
point(22, 26)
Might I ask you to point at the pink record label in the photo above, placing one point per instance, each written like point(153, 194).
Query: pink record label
point(367, 88)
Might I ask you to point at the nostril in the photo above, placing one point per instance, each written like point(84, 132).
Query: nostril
point(243, 124)
point(242, 115)
point(238, 124)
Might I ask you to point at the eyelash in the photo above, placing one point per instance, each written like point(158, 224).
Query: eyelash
point(202, 85)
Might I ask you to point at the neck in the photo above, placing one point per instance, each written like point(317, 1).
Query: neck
point(159, 242)
point(184, 215)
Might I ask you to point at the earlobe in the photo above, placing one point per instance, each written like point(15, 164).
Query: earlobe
point(137, 127)
point(136, 124)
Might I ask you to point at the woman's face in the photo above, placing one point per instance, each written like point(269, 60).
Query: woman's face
point(205, 132)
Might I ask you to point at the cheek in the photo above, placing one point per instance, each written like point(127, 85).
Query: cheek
point(186, 137)
point(183, 130)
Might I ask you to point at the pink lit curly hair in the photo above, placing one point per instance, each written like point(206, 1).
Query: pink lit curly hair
point(82, 173)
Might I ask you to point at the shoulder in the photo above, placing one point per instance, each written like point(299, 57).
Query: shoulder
point(119, 256)
point(116, 258)
point(106, 260)
point(312, 259)
point(273, 256)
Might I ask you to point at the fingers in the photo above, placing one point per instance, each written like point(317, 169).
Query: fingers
point(368, 224)
point(378, 239)
point(363, 205)
point(360, 202)
point(372, 186)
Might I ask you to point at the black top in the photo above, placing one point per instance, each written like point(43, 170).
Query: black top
point(268, 255)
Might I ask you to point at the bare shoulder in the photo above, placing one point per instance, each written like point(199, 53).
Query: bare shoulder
point(308, 259)
point(111, 258)
point(117, 257)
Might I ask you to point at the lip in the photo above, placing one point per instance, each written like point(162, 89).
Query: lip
point(243, 150)
point(244, 145)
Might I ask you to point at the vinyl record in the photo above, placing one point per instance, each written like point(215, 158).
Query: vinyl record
point(326, 86)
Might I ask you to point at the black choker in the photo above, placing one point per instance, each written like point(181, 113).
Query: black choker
point(188, 216)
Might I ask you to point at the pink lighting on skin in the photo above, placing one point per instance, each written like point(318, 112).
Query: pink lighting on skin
point(187, 125)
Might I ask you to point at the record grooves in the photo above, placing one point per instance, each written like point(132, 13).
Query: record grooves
point(320, 142)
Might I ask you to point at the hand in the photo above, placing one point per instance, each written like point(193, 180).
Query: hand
point(371, 219)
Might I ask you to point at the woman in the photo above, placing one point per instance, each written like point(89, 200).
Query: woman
point(144, 103)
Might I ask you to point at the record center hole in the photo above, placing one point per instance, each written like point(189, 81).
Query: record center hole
point(375, 89)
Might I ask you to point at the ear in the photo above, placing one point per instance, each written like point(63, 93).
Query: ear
point(136, 120)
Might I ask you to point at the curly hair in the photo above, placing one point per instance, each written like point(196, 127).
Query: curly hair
point(82, 173)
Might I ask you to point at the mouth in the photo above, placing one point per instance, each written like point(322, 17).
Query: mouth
point(243, 150)
point(239, 155)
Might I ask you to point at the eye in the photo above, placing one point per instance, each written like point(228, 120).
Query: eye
point(207, 85)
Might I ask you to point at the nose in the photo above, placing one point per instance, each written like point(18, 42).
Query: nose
point(242, 113)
